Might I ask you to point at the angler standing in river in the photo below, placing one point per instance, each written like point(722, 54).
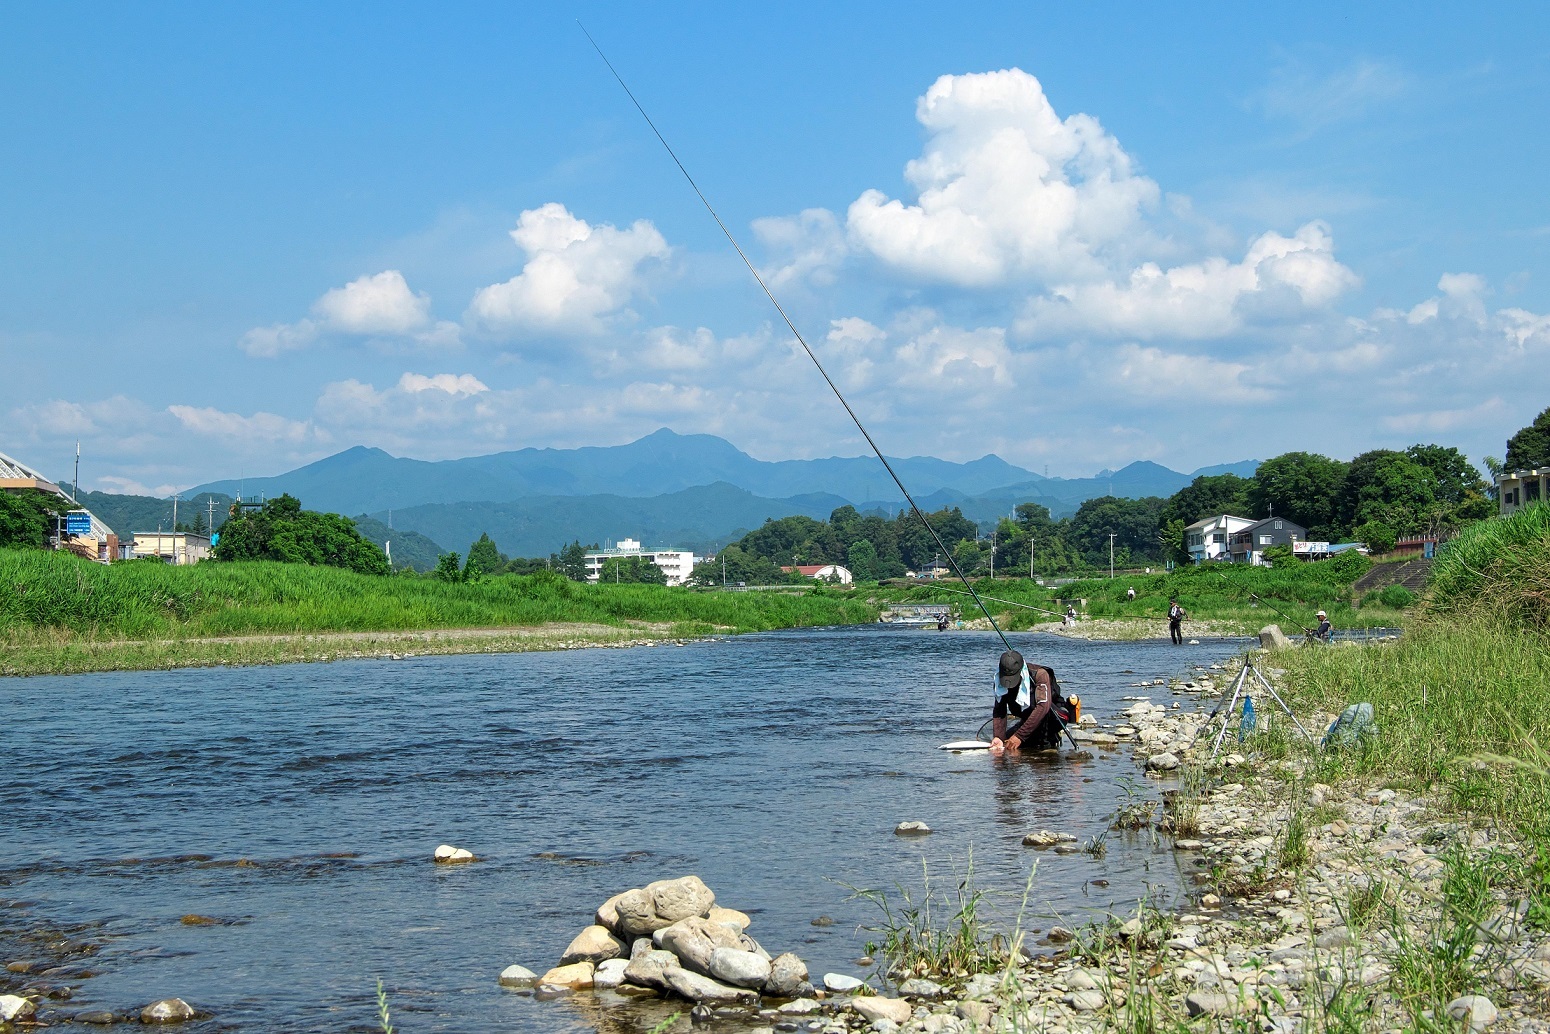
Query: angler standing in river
point(1176, 618)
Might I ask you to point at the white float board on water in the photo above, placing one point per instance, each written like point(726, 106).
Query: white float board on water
point(965, 745)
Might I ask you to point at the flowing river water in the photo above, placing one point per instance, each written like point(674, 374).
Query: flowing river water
point(774, 766)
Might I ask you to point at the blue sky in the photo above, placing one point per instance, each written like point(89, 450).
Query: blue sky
point(235, 240)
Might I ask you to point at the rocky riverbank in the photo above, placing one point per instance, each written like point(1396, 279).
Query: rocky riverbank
point(1322, 901)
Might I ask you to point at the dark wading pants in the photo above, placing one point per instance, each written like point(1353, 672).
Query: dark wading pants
point(1176, 632)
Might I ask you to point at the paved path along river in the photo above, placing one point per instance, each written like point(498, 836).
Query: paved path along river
point(774, 766)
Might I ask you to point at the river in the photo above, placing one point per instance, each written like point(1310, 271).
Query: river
point(775, 766)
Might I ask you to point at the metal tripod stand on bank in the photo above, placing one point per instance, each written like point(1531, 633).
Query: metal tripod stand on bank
point(1238, 691)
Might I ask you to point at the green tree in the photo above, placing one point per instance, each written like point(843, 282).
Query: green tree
point(1208, 496)
point(483, 558)
point(282, 531)
point(861, 558)
point(1378, 537)
point(634, 570)
point(1134, 523)
point(1280, 556)
point(449, 568)
point(1391, 489)
point(1172, 541)
point(1303, 487)
point(740, 566)
point(572, 562)
point(26, 519)
point(1530, 447)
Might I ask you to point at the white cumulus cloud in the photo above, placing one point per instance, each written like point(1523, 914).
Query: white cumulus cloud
point(260, 427)
point(377, 305)
point(1005, 188)
point(1198, 300)
point(575, 276)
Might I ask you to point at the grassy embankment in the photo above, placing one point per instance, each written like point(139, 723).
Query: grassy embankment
point(1463, 699)
point(61, 614)
point(1218, 600)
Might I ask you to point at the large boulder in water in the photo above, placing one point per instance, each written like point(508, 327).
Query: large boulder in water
point(594, 944)
point(740, 968)
point(788, 977)
point(647, 970)
point(693, 940)
point(698, 988)
point(681, 898)
point(637, 915)
point(168, 1010)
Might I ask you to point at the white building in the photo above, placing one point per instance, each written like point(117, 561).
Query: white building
point(1210, 539)
point(1522, 488)
point(175, 547)
point(677, 564)
point(823, 573)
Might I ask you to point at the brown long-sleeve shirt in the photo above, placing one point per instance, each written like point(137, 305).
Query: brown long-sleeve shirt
point(1006, 704)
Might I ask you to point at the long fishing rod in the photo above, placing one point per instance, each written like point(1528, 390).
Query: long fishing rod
point(1258, 598)
point(1010, 603)
point(919, 513)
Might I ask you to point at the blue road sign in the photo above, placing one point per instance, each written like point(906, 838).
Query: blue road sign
point(78, 523)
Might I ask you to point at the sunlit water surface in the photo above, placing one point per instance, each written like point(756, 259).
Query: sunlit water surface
point(774, 766)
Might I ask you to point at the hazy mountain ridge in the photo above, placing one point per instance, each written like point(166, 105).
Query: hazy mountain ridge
point(372, 481)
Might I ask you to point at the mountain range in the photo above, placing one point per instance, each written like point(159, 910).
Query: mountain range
point(694, 491)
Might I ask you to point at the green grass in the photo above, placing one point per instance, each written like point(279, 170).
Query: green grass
point(55, 593)
point(1216, 593)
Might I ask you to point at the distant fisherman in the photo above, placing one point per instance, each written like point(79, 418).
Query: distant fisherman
point(1030, 693)
point(1176, 618)
point(1325, 631)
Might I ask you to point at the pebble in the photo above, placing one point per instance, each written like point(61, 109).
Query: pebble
point(1085, 1001)
point(911, 829)
point(168, 1010)
point(1165, 762)
point(1216, 1003)
point(840, 982)
point(518, 976)
point(1476, 1011)
point(576, 976)
point(101, 1017)
point(920, 987)
point(1045, 838)
point(874, 1007)
point(609, 973)
point(800, 1007)
point(15, 1007)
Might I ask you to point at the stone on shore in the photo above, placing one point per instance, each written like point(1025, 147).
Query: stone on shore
point(446, 854)
point(920, 987)
point(15, 1007)
point(1086, 1000)
point(646, 970)
point(1162, 762)
point(1476, 1011)
point(739, 968)
point(1215, 1003)
point(693, 940)
point(699, 988)
point(800, 1007)
point(608, 915)
point(911, 829)
point(681, 898)
point(168, 1010)
point(518, 976)
point(577, 976)
point(788, 976)
point(609, 973)
point(839, 983)
point(874, 1008)
point(594, 944)
point(1272, 638)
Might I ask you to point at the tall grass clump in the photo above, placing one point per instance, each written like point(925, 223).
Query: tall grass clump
point(1497, 570)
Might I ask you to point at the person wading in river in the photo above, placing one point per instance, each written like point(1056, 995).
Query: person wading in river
point(1176, 618)
point(1028, 692)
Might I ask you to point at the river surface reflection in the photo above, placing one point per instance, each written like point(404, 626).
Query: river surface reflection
point(775, 766)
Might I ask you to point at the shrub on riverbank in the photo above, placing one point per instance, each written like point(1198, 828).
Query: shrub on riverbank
point(1499, 570)
point(54, 591)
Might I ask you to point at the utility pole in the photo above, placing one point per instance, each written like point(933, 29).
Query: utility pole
point(723, 567)
point(75, 489)
point(1111, 556)
point(210, 526)
point(993, 553)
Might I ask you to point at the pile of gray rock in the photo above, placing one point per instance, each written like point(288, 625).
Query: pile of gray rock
point(670, 937)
